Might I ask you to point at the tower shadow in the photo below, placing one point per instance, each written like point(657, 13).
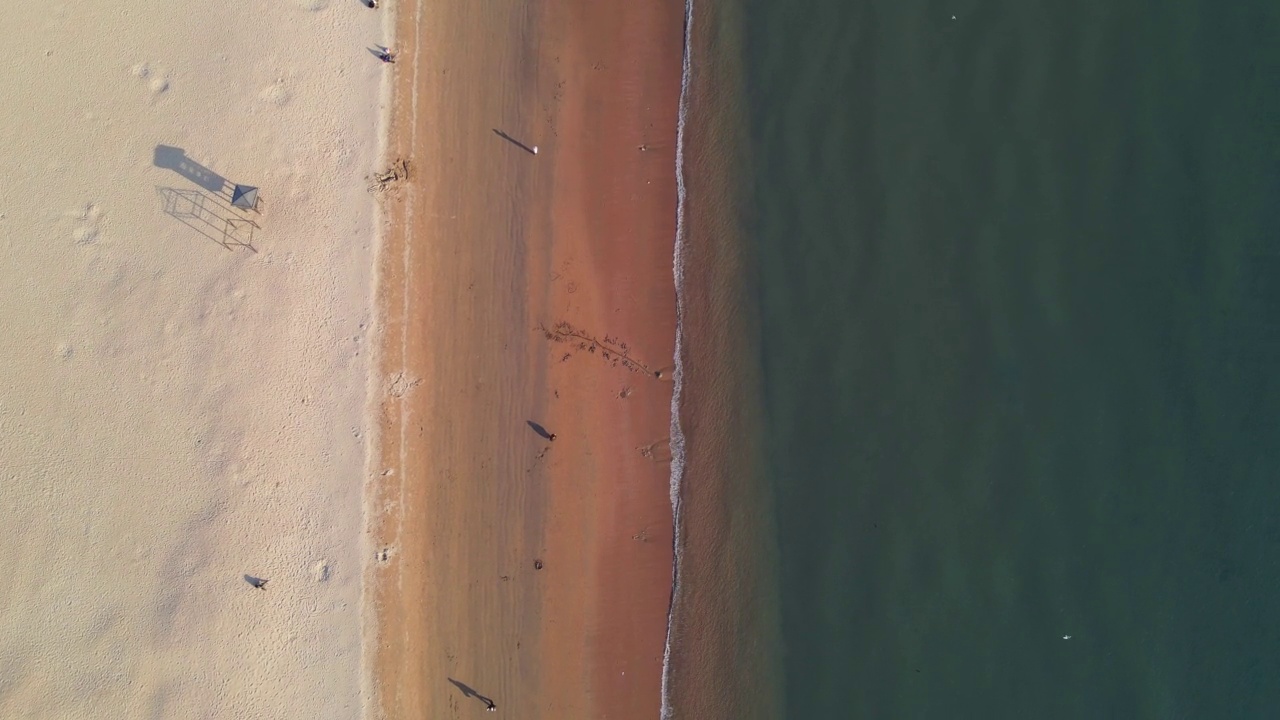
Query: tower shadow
point(175, 159)
point(210, 215)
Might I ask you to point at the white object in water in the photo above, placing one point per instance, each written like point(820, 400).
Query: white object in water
point(1066, 637)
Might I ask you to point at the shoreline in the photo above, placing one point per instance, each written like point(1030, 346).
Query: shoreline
point(724, 645)
point(487, 243)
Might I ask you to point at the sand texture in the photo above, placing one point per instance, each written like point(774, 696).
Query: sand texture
point(182, 402)
point(518, 287)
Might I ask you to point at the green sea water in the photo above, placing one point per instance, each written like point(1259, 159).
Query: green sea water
point(1017, 275)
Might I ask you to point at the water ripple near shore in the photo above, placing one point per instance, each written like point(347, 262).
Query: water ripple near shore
point(677, 434)
point(723, 641)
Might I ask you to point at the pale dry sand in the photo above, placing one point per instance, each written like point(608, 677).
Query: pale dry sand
point(175, 414)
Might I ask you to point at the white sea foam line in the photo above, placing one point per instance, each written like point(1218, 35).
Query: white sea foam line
point(677, 375)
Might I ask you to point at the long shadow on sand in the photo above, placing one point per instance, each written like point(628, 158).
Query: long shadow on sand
point(470, 692)
point(531, 150)
point(175, 159)
point(540, 430)
point(210, 214)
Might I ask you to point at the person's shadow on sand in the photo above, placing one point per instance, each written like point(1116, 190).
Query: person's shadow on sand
point(470, 692)
point(382, 52)
point(541, 430)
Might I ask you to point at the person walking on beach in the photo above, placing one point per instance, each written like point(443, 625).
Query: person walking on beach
point(386, 56)
point(489, 705)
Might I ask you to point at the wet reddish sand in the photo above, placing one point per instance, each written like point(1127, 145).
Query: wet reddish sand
point(490, 249)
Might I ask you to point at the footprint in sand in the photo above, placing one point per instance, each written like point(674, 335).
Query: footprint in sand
point(276, 94)
point(86, 235)
point(659, 451)
point(88, 224)
point(157, 81)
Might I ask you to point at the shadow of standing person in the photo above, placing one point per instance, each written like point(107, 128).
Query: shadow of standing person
point(470, 692)
point(541, 430)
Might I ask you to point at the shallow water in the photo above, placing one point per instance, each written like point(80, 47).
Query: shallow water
point(724, 644)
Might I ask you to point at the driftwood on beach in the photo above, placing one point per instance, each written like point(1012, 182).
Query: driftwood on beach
point(399, 171)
